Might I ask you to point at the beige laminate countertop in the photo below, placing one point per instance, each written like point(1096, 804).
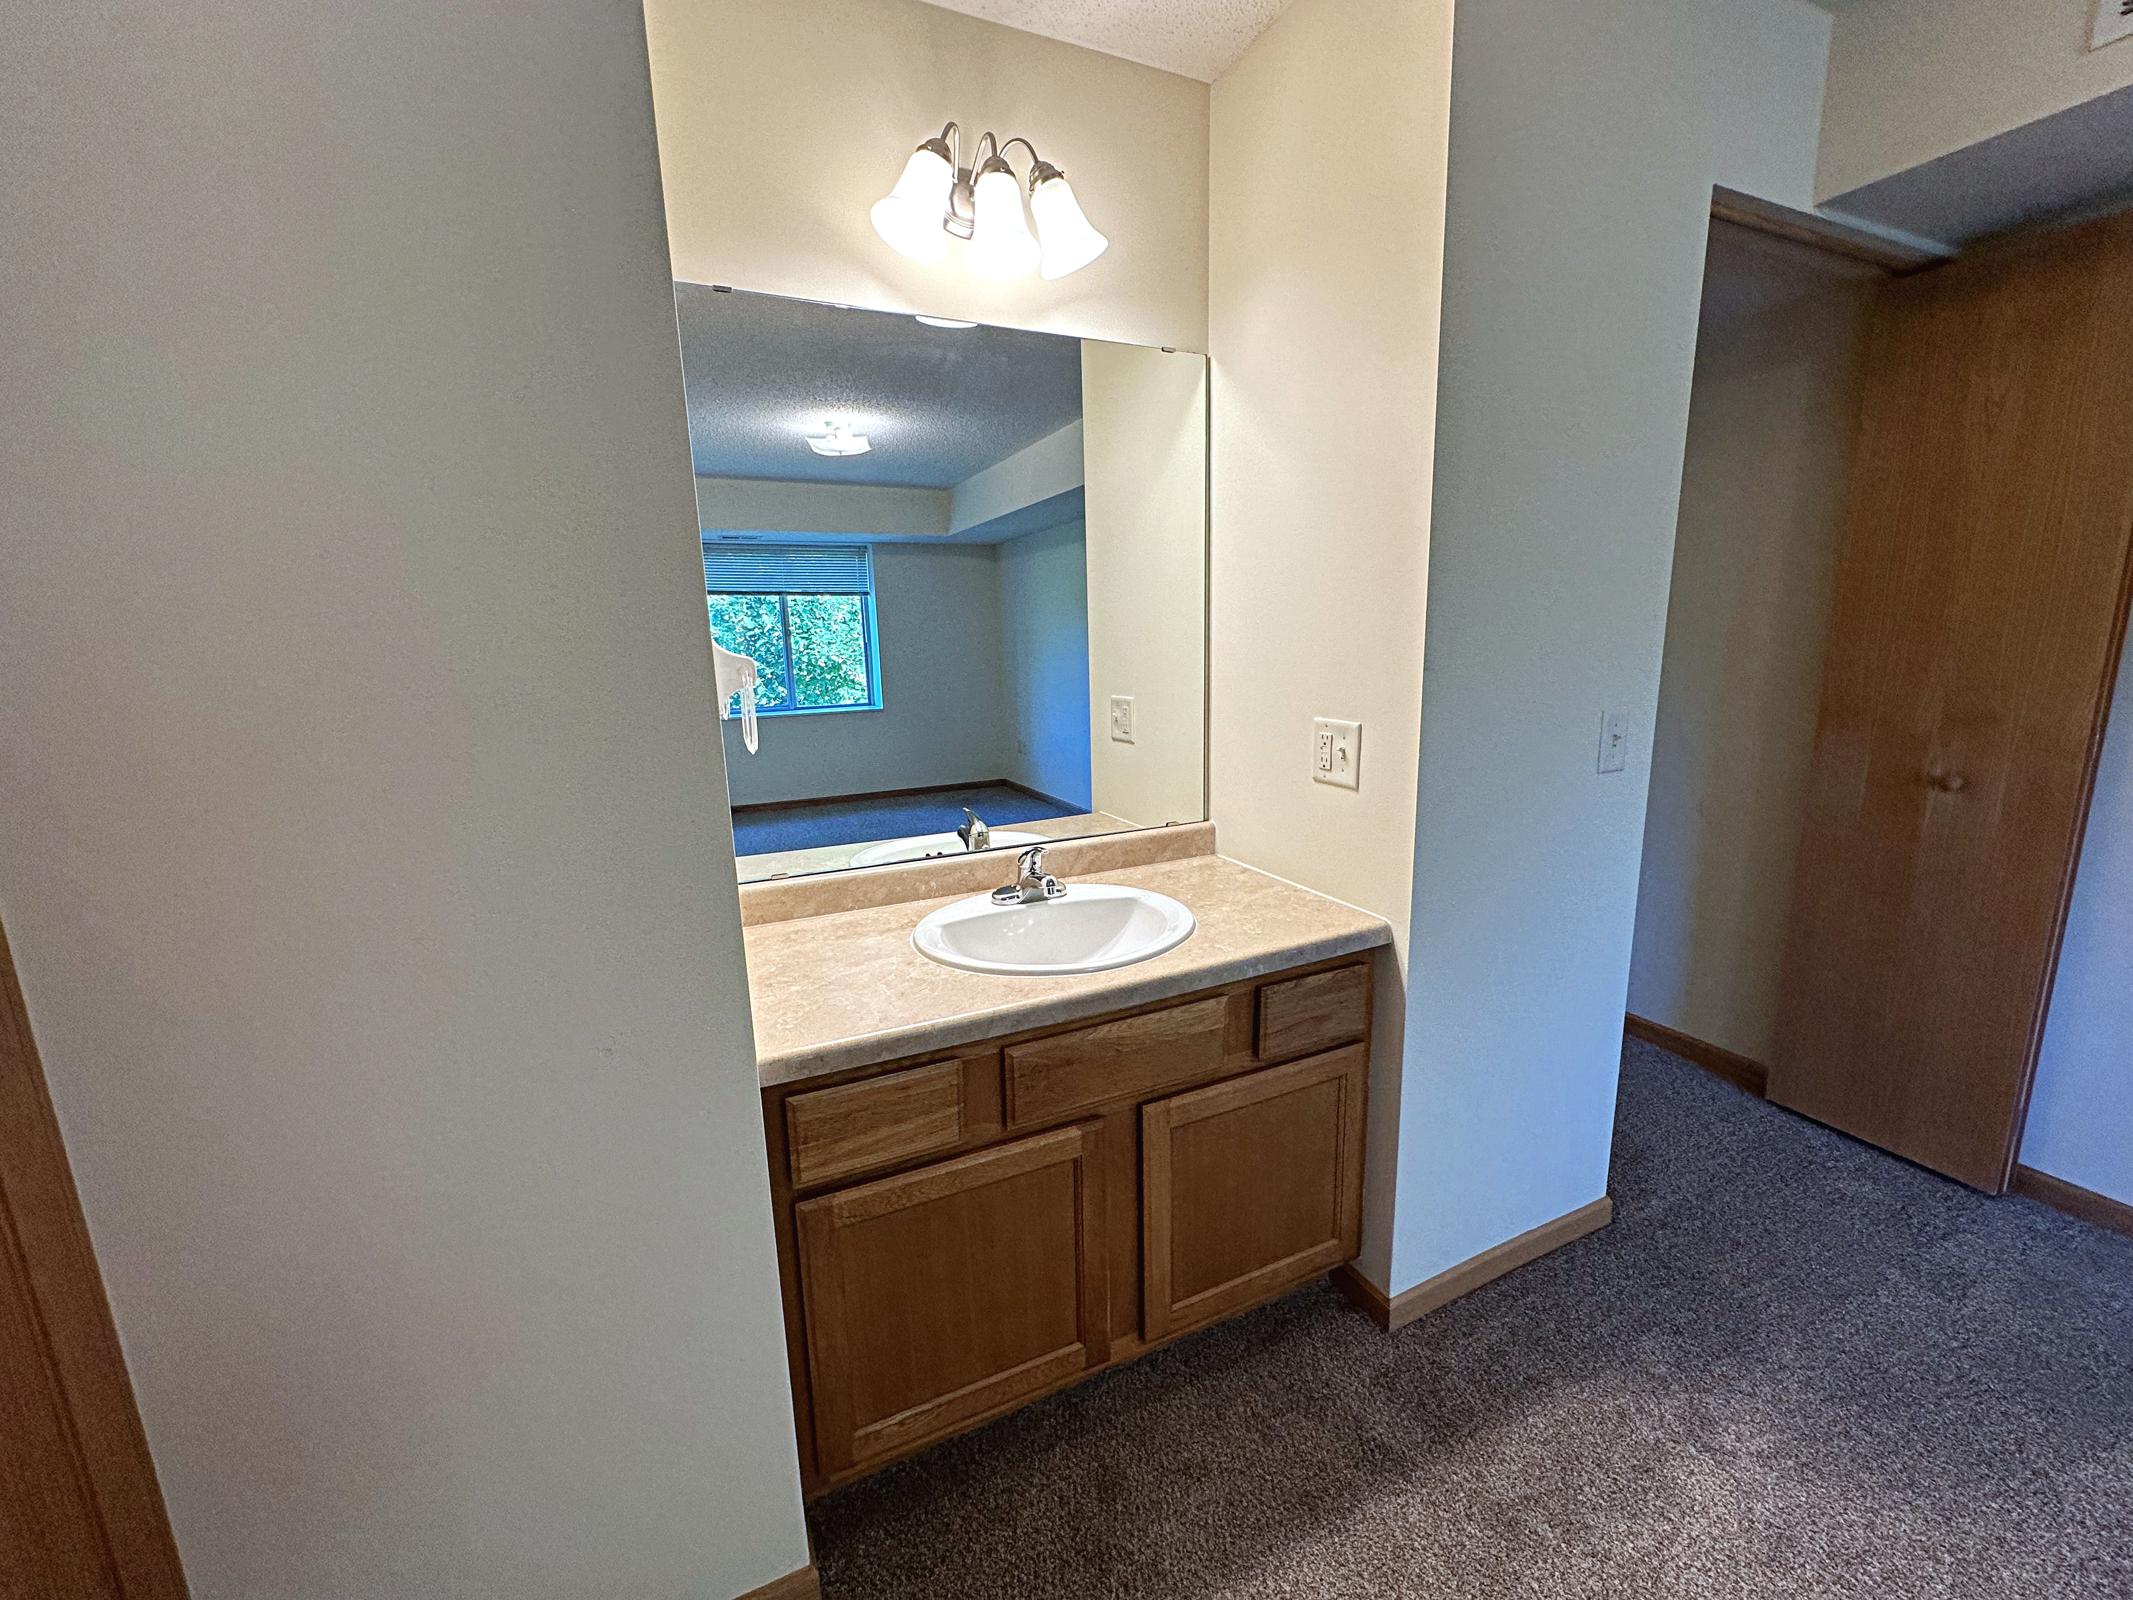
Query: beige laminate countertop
point(848, 989)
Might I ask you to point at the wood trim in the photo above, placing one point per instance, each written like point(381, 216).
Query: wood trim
point(2098, 1209)
point(1743, 1072)
point(45, 1240)
point(802, 1585)
point(1401, 1309)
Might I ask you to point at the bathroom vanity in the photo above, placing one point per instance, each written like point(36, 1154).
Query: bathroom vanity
point(1013, 1138)
point(1070, 1172)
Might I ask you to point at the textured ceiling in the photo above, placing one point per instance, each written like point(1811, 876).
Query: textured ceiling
point(1196, 38)
point(938, 404)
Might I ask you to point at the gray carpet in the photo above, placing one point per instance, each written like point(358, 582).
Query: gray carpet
point(1793, 1366)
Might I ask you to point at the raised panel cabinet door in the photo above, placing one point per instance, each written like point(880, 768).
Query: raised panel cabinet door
point(1974, 632)
point(939, 1297)
point(1248, 1187)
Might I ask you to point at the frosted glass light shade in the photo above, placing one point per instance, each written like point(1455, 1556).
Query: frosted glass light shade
point(1001, 245)
point(1068, 241)
point(909, 216)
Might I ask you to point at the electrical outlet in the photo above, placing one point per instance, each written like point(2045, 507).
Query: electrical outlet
point(1122, 718)
point(1614, 741)
point(1336, 751)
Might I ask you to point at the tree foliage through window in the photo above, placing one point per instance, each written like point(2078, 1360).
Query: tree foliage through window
point(815, 650)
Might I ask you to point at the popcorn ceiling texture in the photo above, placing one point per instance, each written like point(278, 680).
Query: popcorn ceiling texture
point(1194, 38)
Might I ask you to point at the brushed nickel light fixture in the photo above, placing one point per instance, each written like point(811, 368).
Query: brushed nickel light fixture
point(938, 198)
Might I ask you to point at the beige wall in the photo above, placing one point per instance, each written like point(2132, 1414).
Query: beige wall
point(781, 123)
point(1323, 328)
point(360, 834)
point(1771, 419)
point(1144, 464)
point(1910, 80)
point(1574, 242)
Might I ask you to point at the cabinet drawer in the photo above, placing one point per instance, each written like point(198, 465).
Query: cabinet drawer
point(1069, 1072)
point(834, 1133)
point(1300, 1015)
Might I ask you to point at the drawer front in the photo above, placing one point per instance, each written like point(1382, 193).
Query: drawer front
point(1069, 1072)
point(834, 1133)
point(1300, 1015)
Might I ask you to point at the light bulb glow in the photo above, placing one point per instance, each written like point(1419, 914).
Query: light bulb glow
point(1001, 245)
point(838, 439)
point(909, 216)
point(1069, 242)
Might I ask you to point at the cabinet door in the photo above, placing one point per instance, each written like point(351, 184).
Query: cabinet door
point(1249, 1187)
point(939, 1297)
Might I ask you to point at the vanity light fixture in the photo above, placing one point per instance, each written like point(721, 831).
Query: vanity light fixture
point(838, 439)
point(944, 322)
point(938, 197)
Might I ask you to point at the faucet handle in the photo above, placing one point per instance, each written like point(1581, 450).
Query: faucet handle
point(1030, 864)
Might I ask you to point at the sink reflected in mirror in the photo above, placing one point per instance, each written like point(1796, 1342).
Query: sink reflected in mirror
point(929, 846)
point(1092, 927)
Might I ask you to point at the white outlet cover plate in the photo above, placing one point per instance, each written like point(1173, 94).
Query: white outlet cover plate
point(1336, 751)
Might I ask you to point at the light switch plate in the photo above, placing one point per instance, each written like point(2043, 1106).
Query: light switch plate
point(1122, 718)
point(1336, 751)
point(1614, 741)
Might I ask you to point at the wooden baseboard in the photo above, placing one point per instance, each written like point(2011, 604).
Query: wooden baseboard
point(1739, 1070)
point(801, 1585)
point(1469, 1275)
point(2074, 1200)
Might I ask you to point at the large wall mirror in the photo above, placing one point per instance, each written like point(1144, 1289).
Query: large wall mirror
point(966, 569)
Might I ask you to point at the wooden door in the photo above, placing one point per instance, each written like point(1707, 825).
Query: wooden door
point(936, 1298)
point(80, 1514)
point(1249, 1187)
point(1980, 600)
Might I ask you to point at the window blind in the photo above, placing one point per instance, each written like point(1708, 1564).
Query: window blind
point(787, 568)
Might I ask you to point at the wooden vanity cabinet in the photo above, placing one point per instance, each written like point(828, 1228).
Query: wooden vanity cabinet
point(960, 1234)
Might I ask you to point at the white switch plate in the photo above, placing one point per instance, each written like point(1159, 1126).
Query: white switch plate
point(2114, 21)
point(1122, 718)
point(1336, 751)
point(1614, 741)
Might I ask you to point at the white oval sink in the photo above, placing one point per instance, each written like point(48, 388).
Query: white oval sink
point(1091, 928)
point(925, 846)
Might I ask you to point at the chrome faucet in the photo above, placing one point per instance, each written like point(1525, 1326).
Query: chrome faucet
point(974, 834)
point(1032, 882)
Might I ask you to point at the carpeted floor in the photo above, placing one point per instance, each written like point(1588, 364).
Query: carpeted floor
point(1793, 1366)
point(866, 818)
